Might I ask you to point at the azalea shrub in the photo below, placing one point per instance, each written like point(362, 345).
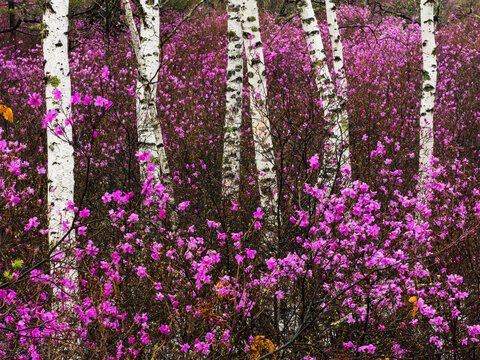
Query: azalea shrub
point(379, 268)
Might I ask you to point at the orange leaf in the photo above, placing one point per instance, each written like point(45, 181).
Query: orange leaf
point(7, 113)
point(413, 300)
point(260, 345)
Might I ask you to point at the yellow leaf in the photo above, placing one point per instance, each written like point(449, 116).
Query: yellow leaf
point(7, 113)
point(413, 300)
point(261, 344)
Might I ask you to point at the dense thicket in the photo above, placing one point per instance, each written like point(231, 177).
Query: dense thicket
point(371, 271)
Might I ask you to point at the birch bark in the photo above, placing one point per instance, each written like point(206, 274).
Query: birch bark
point(429, 84)
point(146, 49)
point(336, 154)
point(341, 93)
point(337, 46)
point(60, 172)
point(234, 102)
point(264, 154)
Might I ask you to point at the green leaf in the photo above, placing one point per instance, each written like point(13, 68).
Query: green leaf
point(54, 81)
point(18, 263)
point(7, 275)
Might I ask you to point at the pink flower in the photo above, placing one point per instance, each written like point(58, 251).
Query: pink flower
point(57, 95)
point(213, 224)
point(99, 101)
point(31, 223)
point(314, 161)
point(237, 236)
point(76, 98)
point(234, 206)
point(141, 271)
point(183, 205)
point(102, 102)
point(133, 217)
point(144, 156)
point(84, 213)
point(250, 253)
point(150, 167)
point(367, 348)
point(51, 115)
point(106, 198)
point(58, 130)
point(87, 100)
point(258, 214)
point(34, 100)
point(105, 72)
point(239, 258)
point(271, 263)
point(184, 348)
point(164, 329)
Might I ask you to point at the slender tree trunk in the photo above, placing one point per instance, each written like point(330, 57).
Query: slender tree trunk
point(108, 27)
point(337, 46)
point(341, 93)
point(427, 8)
point(234, 102)
point(147, 81)
point(146, 48)
point(264, 154)
point(11, 7)
point(336, 154)
point(59, 135)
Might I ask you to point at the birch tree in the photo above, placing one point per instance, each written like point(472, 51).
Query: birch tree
point(337, 48)
point(264, 154)
point(341, 93)
point(336, 154)
point(427, 10)
point(234, 102)
point(60, 172)
point(146, 49)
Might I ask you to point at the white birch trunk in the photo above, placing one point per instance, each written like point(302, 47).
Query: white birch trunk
point(429, 84)
point(341, 93)
point(146, 48)
point(147, 81)
point(60, 151)
point(234, 102)
point(264, 154)
point(336, 154)
point(337, 46)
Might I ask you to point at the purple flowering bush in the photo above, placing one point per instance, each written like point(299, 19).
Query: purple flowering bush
point(377, 269)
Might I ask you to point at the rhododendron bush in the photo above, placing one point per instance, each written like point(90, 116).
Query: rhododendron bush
point(379, 268)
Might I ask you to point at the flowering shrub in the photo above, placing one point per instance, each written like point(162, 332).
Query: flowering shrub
point(338, 278)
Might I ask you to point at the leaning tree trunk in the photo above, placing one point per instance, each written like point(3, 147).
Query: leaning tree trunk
point(264, 154)
point(336, 154)
point(59, 136)
point(146, 48)
point(429, 85)
point(234, 96)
